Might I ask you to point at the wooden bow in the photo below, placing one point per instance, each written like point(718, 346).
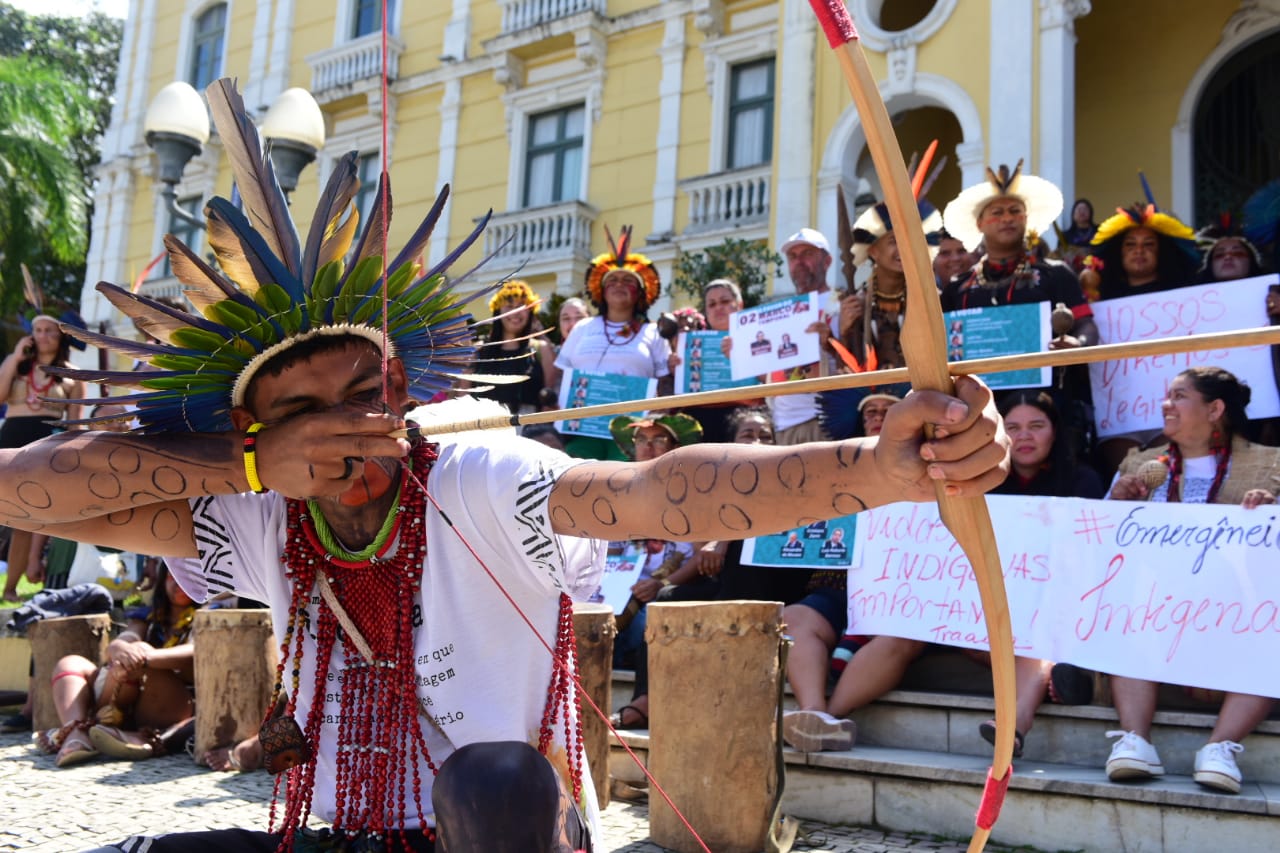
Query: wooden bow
point(924, 348)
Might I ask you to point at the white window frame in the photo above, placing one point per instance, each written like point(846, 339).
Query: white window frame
point(586, 88)
point(342, 21)
point(187, 33)
point(720, 55)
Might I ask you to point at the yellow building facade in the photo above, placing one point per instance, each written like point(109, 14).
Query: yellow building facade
point(694, 120)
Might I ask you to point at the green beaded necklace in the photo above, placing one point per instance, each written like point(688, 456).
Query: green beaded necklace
point(334, 547)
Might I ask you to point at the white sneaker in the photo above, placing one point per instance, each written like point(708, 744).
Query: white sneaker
point(1132, 757)
point(817, 731)
point(1216, 766)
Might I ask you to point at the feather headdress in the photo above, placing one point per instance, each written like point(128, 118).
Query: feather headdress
point(1145, 216)
point(274, 291)
point(1042, 199)
point(620, 257)
point(874, 222)
point(1227, 227)
point(514, 289)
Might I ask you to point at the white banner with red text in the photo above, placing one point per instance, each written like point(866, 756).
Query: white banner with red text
point(1181, 593)
point(1128, 392)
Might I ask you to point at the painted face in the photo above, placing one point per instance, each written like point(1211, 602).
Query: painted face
point(873, 415)
point(1229, 259)
point(1031, 434)
point(884, 252)
point(1189, 419)
point(620, 287)
point(951, 260)
point(1140, 254)
point(341, 378)
point(652, 442)
point(753, 429)
point(720, 303)
point(807, 266)
point(1003, 222)
point(570, 314)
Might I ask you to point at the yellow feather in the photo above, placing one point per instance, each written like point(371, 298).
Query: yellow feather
point(338, 236)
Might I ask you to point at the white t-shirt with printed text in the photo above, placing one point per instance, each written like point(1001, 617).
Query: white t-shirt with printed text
point(482, 674)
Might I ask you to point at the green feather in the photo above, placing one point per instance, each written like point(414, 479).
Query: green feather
point(358, 285)
point(322, 291)
point(276, 300)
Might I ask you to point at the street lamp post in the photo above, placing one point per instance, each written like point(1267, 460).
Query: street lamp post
point(176, 127)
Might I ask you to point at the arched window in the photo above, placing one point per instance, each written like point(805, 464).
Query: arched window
point(206, 46)
point(1237, 130)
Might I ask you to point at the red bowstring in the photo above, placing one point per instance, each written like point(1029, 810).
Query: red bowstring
point(384, 179)
point(386, 395)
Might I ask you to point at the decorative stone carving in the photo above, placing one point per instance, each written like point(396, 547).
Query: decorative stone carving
point(1062, 13)
point(708, 17)
point(591, 46)
point(509, 72)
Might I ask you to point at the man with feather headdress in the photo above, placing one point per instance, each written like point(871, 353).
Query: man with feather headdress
point(272, 457)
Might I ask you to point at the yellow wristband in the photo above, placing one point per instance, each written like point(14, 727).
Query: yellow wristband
point(251, 458)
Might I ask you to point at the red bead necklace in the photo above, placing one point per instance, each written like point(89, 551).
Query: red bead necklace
point(379, 721)
point(379, 731)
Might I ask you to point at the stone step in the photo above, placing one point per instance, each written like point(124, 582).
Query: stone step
point(1064, 734)
point(1049, 805)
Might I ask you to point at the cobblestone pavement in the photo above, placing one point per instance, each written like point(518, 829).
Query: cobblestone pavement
point(49, 810)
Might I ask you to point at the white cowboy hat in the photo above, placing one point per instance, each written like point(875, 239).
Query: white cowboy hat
point(1043, 201)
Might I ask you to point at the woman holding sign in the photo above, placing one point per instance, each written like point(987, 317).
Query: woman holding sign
point(621, 340)
point(1205, 461)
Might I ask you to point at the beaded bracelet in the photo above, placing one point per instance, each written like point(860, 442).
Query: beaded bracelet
point(250, 458)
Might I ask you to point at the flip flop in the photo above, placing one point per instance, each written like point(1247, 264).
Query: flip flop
point(76, 749)
point(113, 742)
point(615, 719)
point(988, 732)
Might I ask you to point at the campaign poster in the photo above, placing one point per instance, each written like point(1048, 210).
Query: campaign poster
point(820, 545)
point(579, 389)
point(623, 563)
point(772, 336)
point(1002, 330)
point(703, 365)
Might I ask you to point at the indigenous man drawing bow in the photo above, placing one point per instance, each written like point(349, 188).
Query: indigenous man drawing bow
point(265, 457)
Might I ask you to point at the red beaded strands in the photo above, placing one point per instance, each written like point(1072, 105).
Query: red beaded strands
point(379, 739)
point(562, 698)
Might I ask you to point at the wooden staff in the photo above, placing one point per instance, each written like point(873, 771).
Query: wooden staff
point(924, 348)
point(1264, 336)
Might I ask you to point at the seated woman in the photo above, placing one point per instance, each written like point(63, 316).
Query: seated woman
point(644, 439)
point(137, 703)
point(1205, 461)
point(1040, 465)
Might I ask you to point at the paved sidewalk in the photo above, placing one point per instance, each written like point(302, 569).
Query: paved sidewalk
point(47, 810)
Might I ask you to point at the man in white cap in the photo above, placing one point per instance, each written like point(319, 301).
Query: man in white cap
point(808, 258)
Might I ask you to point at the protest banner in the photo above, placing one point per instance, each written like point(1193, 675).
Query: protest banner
point(579, 388)
point(703, 367)
point(772, 336)
point(1127, 394)
point(821, 545)
point(1001, 330)
point(1180, 593)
